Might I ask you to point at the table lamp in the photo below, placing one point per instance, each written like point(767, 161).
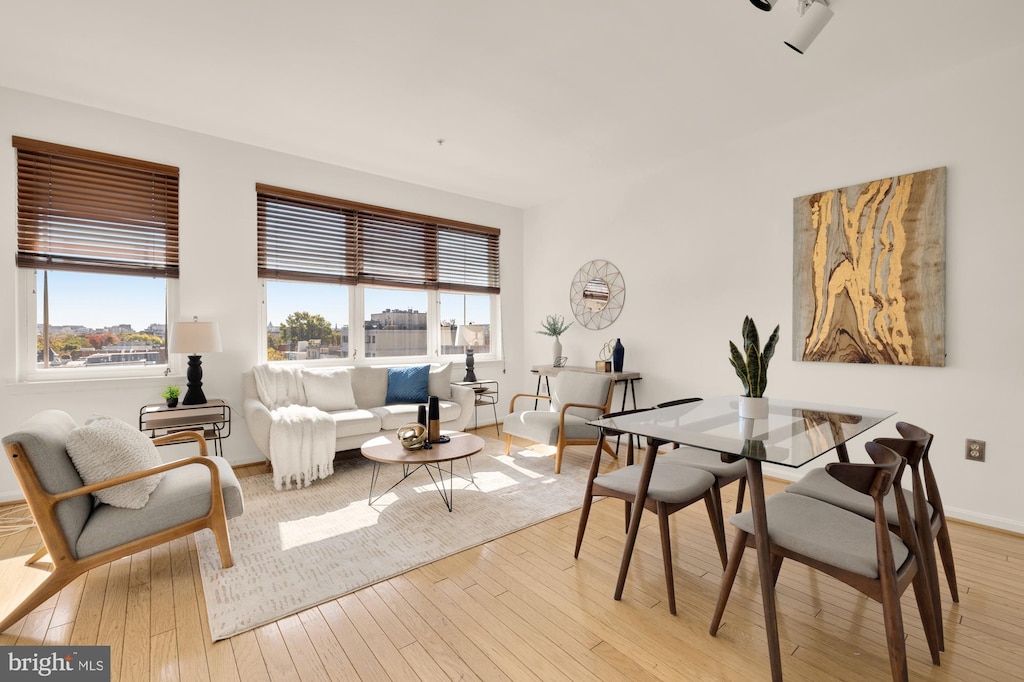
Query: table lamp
point(472, 335)
point(194, 338)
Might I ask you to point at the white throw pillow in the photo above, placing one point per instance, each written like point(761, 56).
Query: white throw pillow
point(329, 390)
point(439, 382)
point(106, 448)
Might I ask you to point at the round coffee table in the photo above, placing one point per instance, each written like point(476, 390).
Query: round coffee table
point(385, 449)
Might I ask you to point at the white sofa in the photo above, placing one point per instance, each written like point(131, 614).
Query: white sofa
point(370, 416)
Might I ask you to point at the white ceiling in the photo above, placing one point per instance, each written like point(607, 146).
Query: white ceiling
point(532, 97)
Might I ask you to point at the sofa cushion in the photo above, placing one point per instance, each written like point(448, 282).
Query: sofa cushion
point(106, 448)
point(394, 416)
point(370, 386)
point(407, 384)
point(355, 423)
point(439, 382)
point(329, 390)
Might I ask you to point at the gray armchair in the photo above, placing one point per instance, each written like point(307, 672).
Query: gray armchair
point(80, 534)
point(576, 398)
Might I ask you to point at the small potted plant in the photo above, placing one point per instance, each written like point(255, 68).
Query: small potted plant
point(170, 394)
point(554, 325)
point(752, 368)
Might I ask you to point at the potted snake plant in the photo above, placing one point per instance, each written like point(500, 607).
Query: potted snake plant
point(752, 368)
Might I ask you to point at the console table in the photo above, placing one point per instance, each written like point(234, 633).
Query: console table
point(628, 379)
point(212, 419)
point(486, 391)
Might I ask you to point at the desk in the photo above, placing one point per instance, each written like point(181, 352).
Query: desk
point(628, 378)
point(794, 434)
point(212, 418)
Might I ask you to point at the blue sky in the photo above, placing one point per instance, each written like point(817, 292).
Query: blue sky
point(107, 300)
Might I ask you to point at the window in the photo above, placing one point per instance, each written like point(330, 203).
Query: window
point(97, 246)
point(419, 286)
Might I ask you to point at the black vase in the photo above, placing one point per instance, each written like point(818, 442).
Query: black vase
point(618, 355)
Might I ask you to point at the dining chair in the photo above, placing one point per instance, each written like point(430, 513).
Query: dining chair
point(717, 464)
point(576, 398)
point(922, 499)
point(863, 553)
point(672, 487)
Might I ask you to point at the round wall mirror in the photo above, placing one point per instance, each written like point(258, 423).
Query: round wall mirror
point(597, 294)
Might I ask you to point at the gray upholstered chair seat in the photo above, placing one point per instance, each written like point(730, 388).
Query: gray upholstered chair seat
point(183, 495)
point(821, 486)
point(823, 532)
point(670, 483)
point(542, 427)
point(708, 461)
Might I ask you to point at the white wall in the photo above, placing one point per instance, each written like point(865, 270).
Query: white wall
point(709, 239)
point(218, 252)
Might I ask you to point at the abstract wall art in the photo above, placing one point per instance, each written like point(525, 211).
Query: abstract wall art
point(869, 265)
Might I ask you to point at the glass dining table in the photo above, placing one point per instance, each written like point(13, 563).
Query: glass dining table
point(793, 434)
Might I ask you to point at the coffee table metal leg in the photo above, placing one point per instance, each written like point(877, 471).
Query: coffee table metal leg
point(449, 495)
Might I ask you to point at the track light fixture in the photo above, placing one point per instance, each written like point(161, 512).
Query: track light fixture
point(814, 14)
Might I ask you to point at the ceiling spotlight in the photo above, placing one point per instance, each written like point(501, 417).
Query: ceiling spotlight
point(766, 5)
point(814, 14)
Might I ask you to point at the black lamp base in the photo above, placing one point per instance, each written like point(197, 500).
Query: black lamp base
point(470, 374)
point(194, 395)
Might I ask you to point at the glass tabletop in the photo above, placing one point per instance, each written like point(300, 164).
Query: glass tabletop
point(793, 434)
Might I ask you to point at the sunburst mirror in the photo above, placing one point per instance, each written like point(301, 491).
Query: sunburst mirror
point(597, 294)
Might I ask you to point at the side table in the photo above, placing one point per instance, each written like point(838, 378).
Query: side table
point(486, 394)
point(212, 418)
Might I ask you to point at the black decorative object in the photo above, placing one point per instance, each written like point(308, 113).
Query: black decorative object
point(618, 355)
point(194, 395)
point(470, 374)
point(172, 402)
point(421, 416)
point(433, 419)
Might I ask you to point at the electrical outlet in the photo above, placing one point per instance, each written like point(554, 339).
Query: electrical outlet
point(975, 450)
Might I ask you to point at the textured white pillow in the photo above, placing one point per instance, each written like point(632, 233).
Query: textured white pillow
point(329, 390)
point(106, 448)
point(439, 381)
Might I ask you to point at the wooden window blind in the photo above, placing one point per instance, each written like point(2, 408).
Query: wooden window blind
point(93, 212)
point(313, 238)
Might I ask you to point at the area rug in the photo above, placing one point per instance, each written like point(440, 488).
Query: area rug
point(294, 549)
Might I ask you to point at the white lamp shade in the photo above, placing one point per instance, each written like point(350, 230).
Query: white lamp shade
point(472, 334)
point(194, 338)
point(809, 26)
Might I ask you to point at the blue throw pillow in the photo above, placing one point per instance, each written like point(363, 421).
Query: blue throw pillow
point(407, 384)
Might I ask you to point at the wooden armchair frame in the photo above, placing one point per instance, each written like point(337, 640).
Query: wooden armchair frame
point(66, 567)
point(562, 440)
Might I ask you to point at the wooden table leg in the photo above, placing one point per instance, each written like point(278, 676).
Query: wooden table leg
point(764, 565)
point(638, 509)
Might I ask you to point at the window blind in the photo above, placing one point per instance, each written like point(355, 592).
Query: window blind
point(313, 238)
point(88, 211)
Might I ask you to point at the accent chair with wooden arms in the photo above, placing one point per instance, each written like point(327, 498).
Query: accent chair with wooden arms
point(576, 398)
point(673, 487)
point(863, 553)
point(80, 533)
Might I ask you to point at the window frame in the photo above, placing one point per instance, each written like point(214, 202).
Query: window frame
point(92, 212)
point(343, 220)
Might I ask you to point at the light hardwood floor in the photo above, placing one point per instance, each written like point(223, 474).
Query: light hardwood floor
point(521, 608)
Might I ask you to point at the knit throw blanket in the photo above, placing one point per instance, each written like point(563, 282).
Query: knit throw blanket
point(301, 437)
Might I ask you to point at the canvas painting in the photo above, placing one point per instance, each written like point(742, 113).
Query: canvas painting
point(869, 272)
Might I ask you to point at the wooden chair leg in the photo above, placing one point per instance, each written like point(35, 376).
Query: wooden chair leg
point(738, 545)
point(717, 527)
point(629, 513)
point(584, 516)
point(558, 459)
point(930, 618)
point(40, 553)
point(776, 568)
point(508, 443)
point(928, 574)
point(739, 495)
point(219, 526)
point(54, 583)
point(666, 553)
point(946, 552)
point(893, 618)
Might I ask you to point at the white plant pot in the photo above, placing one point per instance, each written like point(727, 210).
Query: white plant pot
point(753, 408)
point(558, 351)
